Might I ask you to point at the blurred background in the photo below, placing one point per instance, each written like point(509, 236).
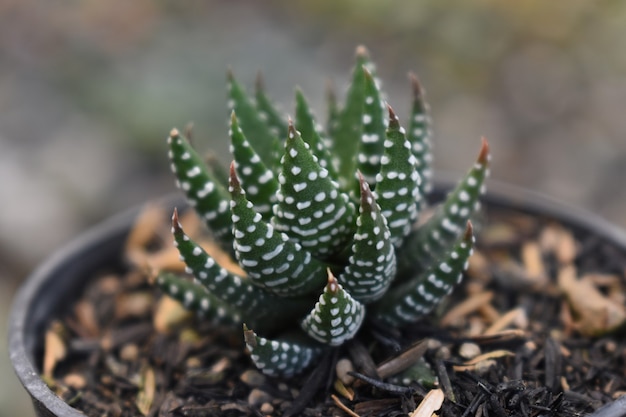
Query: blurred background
point(90, 89)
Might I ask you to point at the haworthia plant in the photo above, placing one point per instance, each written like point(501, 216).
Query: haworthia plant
point(322, 222)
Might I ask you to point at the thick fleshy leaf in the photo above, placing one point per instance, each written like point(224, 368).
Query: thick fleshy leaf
point(230, 288)
point(398, 181)
point(204, 193)
point(280, 357)
point(336, 316)
point(255, 127)
point(196, 298)
point(347, 132)
point(412, 300)
point(433, 239)
point(311, 209)
point(373, 131)
point(332, 114)
point(270, 259)
point(237, 291)
point(313, 134)
point(267, 111)
point(420, 136)
point(256, 179)
point(372, 264)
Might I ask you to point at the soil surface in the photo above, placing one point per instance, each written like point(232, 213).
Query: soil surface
point(530, 332)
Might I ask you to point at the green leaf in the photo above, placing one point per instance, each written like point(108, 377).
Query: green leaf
point(420, 135)
point(312, 133)
point(347, 133)
point(256, 179)
point(204, 193)
point(270, 259)
point(412, 300)
point(259, 132)
point(373, 132)
point(397, 183)
point(280, 358)
point(434, 238)
point(336, 316)
point(372, 264)
point(311, 209)
point(230, 288)
point(195, 297)
point(267, 111)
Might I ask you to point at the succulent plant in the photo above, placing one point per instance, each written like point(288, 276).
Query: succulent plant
point(324, 223)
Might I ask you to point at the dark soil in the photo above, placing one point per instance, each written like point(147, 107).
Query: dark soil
point(506, 343)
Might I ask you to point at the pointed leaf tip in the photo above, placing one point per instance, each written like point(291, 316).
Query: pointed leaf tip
point(483, 156)
point(393, 118)
point(367, 198)
point(233, 180)
point(333, 285)
point(175, 222)
point(361, 51)
point(174, 133)
point(416, 86)
point(259, 83)
point(291, 130)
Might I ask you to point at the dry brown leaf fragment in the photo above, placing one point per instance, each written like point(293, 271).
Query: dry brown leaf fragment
point(55, 348)
point(432, 402)
point(594, 314)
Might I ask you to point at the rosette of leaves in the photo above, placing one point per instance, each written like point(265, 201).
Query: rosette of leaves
point(322, 221)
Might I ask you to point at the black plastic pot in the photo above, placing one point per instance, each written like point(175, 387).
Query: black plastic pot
point(53, 287)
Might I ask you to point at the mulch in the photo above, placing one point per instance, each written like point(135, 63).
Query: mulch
point(530, 332)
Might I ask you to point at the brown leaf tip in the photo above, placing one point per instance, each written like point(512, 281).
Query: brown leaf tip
point(175, 221)
point(291, 131)
point(174, 133)
point(259, 83)
point(367, 198)
point(468, 236)
point(233, 180)
point(249, 336)
point(361, 51)
point(484, 155)
point(333, 285)
point(394, 120)
point(416, 86)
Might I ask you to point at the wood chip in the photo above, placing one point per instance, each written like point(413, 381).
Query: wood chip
point(169, 315)
point(135, 304)
point(403, 361)
point(147, 390)
point(341, 405)
point(345, 392)
point(466, 307)
point(54, 348)
point(517, 316)
point(533, 262)
point(430, 404)
point(86, 315)
point(595, 314)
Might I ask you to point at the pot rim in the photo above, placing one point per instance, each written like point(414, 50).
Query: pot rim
point(499, 194)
